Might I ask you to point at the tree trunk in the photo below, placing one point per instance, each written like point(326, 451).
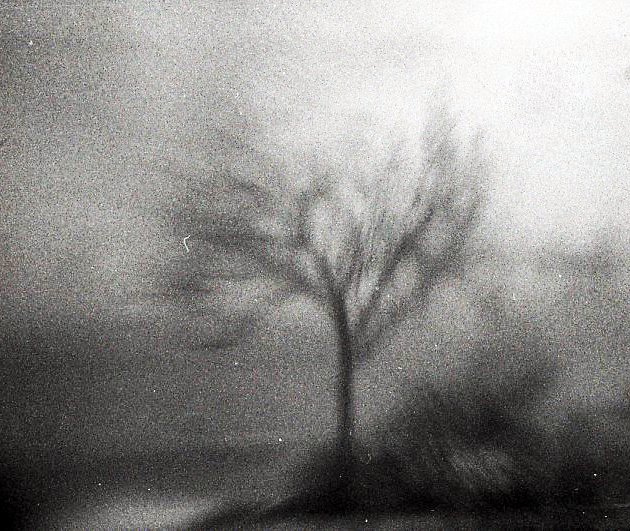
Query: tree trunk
point(345, 405)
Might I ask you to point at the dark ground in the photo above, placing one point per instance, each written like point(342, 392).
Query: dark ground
point(180, 491)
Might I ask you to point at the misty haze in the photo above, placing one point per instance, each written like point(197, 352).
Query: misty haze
point(297, 266)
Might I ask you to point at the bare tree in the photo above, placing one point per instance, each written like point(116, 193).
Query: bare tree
point(367, 248)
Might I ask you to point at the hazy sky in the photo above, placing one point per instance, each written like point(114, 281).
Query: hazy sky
point(99, 95)
point(547, 82)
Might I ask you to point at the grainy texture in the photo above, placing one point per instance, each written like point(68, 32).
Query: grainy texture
point(107, 108)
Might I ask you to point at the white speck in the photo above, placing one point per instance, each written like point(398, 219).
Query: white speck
point(154, 390)
point(149, 488)
point(594, 475)
point(99, 483)
point(30, 43)
point(399, 368)
point(185, 244)
point(280, 439)
point(366, 520)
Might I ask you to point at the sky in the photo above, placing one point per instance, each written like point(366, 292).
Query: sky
point(546, 83)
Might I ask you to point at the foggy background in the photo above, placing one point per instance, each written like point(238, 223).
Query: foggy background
point(104, 105)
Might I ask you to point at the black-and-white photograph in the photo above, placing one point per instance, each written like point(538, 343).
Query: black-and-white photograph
point(324, 264)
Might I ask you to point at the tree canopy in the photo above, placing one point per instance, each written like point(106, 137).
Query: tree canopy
point(363, 245)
